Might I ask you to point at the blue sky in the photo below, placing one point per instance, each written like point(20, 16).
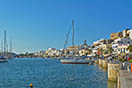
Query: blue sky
point(36, 25)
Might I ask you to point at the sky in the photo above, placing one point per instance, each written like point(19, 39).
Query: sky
point(35, 25)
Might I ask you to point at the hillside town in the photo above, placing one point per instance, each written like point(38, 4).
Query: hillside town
point(119, 44)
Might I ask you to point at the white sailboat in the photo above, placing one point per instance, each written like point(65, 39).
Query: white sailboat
point(73, 59)
point(3, 58)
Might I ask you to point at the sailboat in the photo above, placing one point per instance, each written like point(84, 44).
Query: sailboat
point(10, 53)
point(3, 57)
point(73, 59)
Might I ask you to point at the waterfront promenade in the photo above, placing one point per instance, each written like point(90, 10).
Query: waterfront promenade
point(125, 79)
point(122, 75)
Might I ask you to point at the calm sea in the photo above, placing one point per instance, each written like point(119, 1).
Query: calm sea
point(49, 73)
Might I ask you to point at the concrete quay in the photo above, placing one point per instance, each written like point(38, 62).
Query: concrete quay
point(125, 79)
point(116, 73)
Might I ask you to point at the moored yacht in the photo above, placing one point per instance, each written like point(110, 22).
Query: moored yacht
point(73, 59)
point(3, 59)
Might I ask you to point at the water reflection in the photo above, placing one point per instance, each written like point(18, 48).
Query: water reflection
point(103, 69)
point(111, 84)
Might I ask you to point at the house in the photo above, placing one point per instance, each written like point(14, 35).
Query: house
point(124, 32)
point(115, 44)
point(129, 33)
point(52, 52)
point(116, 35)
point(84, 52)
point(73, 49)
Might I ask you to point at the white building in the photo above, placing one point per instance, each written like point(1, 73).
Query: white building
point(52, 52)
point(129, 32)
point(103, 46)
point(123, 45)
point(124, 32)
point(94, 52)
point(101, 41)
point(115, 44)
point(41, 53)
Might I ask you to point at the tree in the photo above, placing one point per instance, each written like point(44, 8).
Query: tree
point(130, 48)
point(89, 51)
point(110, 50)
point(105, 52)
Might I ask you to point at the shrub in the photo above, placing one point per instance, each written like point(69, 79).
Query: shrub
point(122, 60)
point(130, 60)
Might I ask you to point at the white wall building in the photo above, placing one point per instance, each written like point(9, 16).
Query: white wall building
point(124, 32)
point(123, 45)
point(98, 42)
point(115, 44)
point(130, 33)
point(52, 52)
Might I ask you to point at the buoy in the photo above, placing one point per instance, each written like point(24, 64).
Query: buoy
point(31, 85)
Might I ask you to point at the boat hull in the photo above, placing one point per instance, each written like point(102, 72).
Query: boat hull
point(3, 61)
point(74, 61)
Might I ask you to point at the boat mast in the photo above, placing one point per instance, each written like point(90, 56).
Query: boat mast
point(5, 43)
point(66, 41)
point(73, 36)
point(2, 47)
point(10, 45)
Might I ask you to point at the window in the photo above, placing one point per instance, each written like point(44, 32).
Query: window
point(121, 42)
point(124, 50)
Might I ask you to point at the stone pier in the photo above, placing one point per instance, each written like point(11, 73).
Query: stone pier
point(100, 62)
point(96, 61)
point(104, 64)
point(113, 71)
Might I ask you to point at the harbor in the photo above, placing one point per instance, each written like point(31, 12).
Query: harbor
point(105, 74)
point(50, 73)
point(65, 44)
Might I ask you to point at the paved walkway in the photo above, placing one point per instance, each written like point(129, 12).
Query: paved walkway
point(125, 79)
